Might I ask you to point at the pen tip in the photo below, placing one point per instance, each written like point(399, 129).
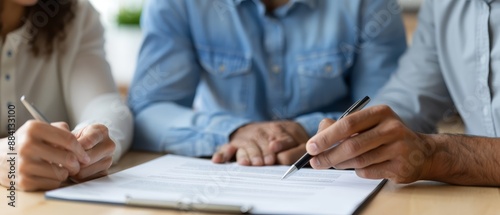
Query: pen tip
point(289, 172)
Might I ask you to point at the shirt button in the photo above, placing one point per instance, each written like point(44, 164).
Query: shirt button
point(485, 111)
point(7, 77)
point(276, 69)
point(222, 68)
point(484, 59)
point(9, 53)
point(328, 68)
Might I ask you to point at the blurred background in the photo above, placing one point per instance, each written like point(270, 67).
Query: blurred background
point(123, 34)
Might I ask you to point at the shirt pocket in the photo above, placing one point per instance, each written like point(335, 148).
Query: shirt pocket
point(223, 64)
point(320, 66)
point(226, 79)
point(320, 79)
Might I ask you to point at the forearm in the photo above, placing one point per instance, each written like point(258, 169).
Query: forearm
point(168, 127)
point(464, 160)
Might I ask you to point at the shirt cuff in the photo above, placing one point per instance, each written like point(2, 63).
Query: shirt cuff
point(224, 126)
point(310, 122)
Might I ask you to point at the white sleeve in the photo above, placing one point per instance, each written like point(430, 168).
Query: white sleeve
point(90, 93)
point(109, 110)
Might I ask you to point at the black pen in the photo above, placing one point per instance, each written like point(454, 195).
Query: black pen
point(306, 157)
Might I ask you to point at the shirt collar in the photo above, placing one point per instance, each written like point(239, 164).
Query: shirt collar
point(19, 36)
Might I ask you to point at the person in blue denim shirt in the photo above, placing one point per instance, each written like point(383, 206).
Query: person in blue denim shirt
point(253, 78)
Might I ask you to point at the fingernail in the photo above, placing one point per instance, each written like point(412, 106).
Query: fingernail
point(256, 161)
point(86, 158)
point(276, 146)
point(316, 162)
point(244, 161)
point(269, 159)
point(312, 148)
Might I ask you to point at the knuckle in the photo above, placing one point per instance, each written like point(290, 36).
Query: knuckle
point(382, 109)
point(25, 147)
point(261, 133)
point(61, 125)
point(102, 127)
point(347, 124)
point(241, 154)
point(325, 123)
point(396, 125)
point(63, 174)
point(324, 140)
point(363, 173)
point(278, 126)
point(68, 137)
point(31, 125)
point(23, 167)
point(111, 146)
point(24, 183)
point(326, 161)
point(64, 124)
point(70, 159)
point(359, 161)
point(108, 162)
point(351, 146)
point(253, 152)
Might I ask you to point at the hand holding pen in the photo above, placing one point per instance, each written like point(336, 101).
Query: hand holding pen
point(47, 154)
point(92, 139)
point(306, 157)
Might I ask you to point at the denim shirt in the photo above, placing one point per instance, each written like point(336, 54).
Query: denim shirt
point(454, 63)
point(208, 67)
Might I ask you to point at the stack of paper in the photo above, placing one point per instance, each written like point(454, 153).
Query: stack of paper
point(189, 180)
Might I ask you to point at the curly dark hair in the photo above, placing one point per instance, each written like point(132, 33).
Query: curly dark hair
point(47, 21)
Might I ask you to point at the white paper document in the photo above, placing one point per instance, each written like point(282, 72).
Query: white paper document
point(192, 180)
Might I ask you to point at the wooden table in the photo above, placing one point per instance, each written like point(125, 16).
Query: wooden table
point(418, 198)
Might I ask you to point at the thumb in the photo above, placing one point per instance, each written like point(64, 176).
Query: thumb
point(92, 135)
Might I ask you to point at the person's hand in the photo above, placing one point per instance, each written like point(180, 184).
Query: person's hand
point(47, 155)
point(375, 143)
point(265, 143)
point(99, 147)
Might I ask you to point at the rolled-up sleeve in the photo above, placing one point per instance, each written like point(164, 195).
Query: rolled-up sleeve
point(381, 42)
point(164, 87)
point(417, 91)
point(90, 91)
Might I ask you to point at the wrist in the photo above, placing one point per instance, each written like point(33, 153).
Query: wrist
point(235, 131)
point(436, 156)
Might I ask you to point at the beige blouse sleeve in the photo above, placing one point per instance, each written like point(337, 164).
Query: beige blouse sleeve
point(90, 92)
